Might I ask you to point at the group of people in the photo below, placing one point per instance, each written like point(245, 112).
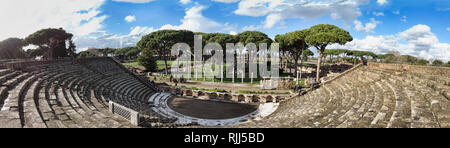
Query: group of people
point(364, 61)
point(297, 88)
point(176, 81)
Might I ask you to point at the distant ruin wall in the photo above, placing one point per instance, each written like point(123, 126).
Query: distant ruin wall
point(20, 65)
point(430, 70)
point(225, 97)
point(341, 74)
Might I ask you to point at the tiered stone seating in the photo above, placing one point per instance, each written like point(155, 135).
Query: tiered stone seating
point(373, 96)
point(72, 94)
point(69, 94)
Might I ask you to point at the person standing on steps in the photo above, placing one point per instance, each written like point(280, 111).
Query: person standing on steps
point(299, 89)
point(364, 61)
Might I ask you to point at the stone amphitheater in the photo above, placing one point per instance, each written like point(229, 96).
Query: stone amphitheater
point(81, 93)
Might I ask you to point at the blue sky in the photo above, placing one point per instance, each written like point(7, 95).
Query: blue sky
point(435, 14)
point(416, 27)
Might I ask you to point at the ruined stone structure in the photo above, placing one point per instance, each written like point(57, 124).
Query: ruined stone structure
point(225, 97)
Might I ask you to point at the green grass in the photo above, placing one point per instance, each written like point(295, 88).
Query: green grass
point(161, 66)
point(301, 83)
point(200, 78)
point(247, 79)
point(201, 89)
point(259, 92)
point(132, 64)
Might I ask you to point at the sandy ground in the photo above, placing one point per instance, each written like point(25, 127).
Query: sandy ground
point(210, 109)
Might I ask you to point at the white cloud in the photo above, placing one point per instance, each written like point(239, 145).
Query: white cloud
point(185, 1)
point(102, 39)
point(89, 27)
point(139, 30)
point(381, 2)
point(226, 1)
point(195, 21)
point(378, 13)
point(254, 8)
point(420, 42)
point(251, 28)
point(376, 44)
point(278, 10)
point(368, 27)
point(272, 20)
point(233, 33)
point(229, 27)
point(420, 36)
point(396, 12)
point(130, 18)
point(134, 1)
point(448, 28)
point(404, 19)
point(80, 17)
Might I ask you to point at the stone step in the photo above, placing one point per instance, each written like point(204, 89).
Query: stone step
point(421, 114)
point(48, 115)
point(348, 97)
point(11, 110)
point(358, 110)
point(374, 109)
point(401, 117)
point(387, 109)
point(4, 72)
point(9, 76)
point(62, 108)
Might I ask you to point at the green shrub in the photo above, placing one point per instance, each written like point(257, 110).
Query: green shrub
point(148, 62)
point(438, 63)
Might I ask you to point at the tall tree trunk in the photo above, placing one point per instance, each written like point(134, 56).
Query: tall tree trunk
point(290, 66)
point(301, 63)
point(318, 66)
point(281, 59)
point(296, 65)
point(286, 63)
point(324, 58)
point(165, 63)
point(331, 59)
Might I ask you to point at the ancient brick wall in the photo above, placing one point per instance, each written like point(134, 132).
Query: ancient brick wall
point(429, 70)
